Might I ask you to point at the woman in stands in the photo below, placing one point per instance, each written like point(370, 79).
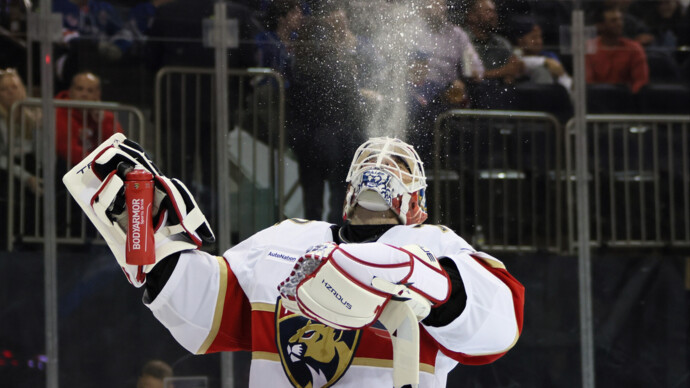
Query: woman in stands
point(23, 167)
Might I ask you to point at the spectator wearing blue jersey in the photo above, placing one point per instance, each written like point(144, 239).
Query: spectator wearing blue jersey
point(88, 26)
point(93, 19)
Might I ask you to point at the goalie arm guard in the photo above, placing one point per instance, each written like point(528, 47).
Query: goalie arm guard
point(96, 183)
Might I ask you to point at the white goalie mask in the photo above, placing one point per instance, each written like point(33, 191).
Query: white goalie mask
point(387, 173)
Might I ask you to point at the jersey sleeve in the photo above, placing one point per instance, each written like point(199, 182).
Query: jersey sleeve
point(203, 305)
point(491, 322)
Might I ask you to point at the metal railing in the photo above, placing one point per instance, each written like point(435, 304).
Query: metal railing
point(503, 179)
point(498, 178)
point(184, 122)
point(23, 206)
point(183, 149)
point(639, 176)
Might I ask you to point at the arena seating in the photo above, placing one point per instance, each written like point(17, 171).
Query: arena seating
point(662, 67)
point(664, 99)
point(552, 98)
point(605, 98)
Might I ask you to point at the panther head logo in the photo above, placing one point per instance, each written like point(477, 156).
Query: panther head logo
point(313, 354)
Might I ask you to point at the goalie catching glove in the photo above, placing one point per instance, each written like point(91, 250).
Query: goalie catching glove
point(97, 184)
point(348, 286)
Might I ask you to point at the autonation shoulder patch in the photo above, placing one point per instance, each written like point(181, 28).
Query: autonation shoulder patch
point(282, 256)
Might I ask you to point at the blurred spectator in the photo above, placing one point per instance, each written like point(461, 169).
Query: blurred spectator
point(617, 60)
point(550, 15)
point(451, 55)
point(633, 27)
point(506, 10)
point(444, 61)
point(274, 49)
point(541, 66)
point(494, 50)
point(665, 21)
point(24, 167)
point(423, 93)
point(274, 46)
point(79, 131)
point(12, 90)
point(89, 26)
point(13, 17)
point(326, 109)
point(13, 34)
point(141, 17)
point(153, 374)
point(501, 66)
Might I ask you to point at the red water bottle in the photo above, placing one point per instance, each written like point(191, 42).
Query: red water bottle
point(141, 246)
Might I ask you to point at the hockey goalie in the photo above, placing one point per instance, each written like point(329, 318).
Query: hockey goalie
point(382, 300)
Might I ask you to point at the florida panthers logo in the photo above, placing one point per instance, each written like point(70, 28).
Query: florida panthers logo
point(313, 355)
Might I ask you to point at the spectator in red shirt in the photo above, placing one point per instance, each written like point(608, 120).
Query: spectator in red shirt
point(77, 135)
point(617, 60)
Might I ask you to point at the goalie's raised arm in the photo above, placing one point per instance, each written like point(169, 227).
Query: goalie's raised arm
point(97, 184)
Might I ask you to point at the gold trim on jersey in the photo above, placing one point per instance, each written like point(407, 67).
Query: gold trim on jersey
point(491, 263)
point(515, 340)
point(379, 363)
point(260, 306)
point(220, 302)
point(265, 356)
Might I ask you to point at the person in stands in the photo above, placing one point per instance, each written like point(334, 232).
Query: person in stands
point(80, 130)
point(617, 60)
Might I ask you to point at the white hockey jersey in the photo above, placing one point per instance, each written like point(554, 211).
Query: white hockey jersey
point(230, 303)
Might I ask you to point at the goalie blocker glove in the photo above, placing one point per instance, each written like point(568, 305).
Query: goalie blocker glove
point(97, 184)
point(348, 286)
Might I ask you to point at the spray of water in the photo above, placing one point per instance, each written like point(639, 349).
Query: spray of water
point(392, 30)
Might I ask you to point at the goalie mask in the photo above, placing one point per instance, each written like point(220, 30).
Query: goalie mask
point(387, 174)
